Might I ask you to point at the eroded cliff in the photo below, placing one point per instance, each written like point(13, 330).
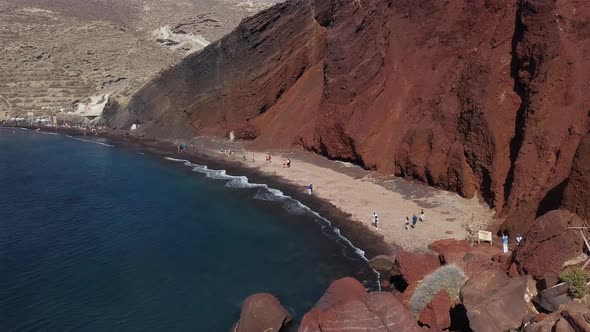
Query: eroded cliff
point(487, 97)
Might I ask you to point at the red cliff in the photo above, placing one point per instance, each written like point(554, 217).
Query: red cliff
point(479, 97)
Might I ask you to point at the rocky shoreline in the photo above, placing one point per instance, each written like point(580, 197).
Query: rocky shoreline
point(456, 287)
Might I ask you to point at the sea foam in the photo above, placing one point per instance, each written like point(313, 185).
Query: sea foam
point(266, 193)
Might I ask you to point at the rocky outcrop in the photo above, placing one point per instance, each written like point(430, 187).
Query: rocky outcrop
point(551, 298)
point(550, 245)
point(345, 308)
point(262, 312)
point(451, 251)
point(382, 263)
point(436, 314)
point(495, 302)
point(577, 193)
point(485, 97)
point(573, 316)
point(414, 266)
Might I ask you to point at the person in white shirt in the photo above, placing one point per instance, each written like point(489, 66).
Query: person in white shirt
point(375, 220)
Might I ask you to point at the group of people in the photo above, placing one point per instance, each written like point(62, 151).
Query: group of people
point(505, 237)
point(415, 219)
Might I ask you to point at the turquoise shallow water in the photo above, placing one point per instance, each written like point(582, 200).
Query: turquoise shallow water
point(98, 238)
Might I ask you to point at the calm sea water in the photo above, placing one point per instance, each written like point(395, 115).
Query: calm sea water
point(97, 238)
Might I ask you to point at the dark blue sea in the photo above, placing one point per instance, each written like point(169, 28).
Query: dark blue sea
point(96, 237)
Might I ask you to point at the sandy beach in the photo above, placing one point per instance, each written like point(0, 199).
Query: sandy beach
point(359, 193)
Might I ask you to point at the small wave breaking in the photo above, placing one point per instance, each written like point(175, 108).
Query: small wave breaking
point(290, 204)
point(90, 141)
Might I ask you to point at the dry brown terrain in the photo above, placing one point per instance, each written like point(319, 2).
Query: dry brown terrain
point(57, 52)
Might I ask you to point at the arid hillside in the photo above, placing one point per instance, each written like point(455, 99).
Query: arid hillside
point(478, 97)
point(56, 53)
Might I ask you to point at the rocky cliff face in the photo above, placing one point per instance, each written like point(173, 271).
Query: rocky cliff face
point(479, 97)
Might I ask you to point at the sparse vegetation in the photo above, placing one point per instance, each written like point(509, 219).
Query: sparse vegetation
point(576, 279)
point(448, 277)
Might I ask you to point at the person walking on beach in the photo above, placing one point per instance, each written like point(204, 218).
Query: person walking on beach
point(518, 239)
point(414, 221)
point(375, 220)
point(288, 163)
point(310, 189)
point(505, 242)
point(407, 223)
point(422, 217)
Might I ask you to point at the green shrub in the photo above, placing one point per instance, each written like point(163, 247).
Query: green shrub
point(449, 277)
point(576, 279)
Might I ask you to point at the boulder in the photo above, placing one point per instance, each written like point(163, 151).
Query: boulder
point(382, 263)
point(451, 251)
point(495, 302)
point(262, 312)
point(344, 308)
point(578, 318)
point(549, 280)
point(342, 291)
point(551, 298)
point(571, 317)
point(480, 258)
point(413, 266)
point(576, 197)
point(549, 245)
point(563, 326)
point(437, 312)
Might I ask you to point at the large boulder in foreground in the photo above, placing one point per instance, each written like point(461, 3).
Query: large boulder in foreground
point(495, 302)
point(342, 291)
point(437, 312)
point(549, 245)
point(414, 266)
point(344, 308)
point(262, 312)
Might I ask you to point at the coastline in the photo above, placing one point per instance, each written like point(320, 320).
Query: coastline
point(358, 193)
point(344, 194)
point(370, 243)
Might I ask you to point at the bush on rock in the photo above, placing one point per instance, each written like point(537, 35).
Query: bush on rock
point(576, 279)
point(448, 277)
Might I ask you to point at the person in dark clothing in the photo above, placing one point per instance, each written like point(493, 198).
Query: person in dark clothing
point(414, 221)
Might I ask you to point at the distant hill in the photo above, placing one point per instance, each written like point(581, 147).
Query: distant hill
point(57, 53)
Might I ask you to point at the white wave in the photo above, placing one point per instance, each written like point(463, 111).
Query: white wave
point(90, 141)
point(347, 164)
point(290, 204)
point(48, 133)
point(174, 159)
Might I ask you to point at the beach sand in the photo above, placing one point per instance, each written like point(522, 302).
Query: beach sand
point(359, 193)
